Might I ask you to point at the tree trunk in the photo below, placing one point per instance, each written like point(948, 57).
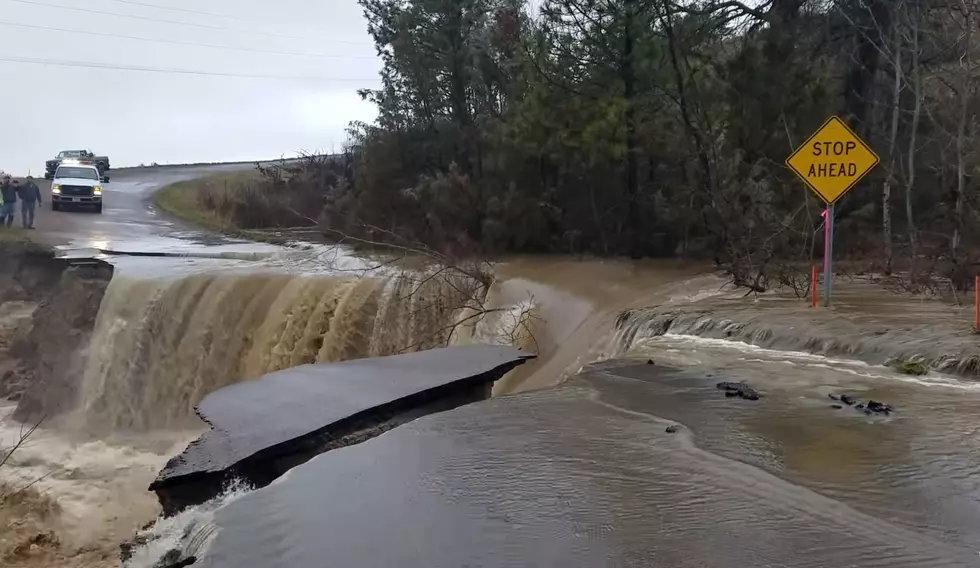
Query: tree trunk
point(966, 71)
point(913, 132)
point(628, 74)
point(886, 192)
point(457, 86)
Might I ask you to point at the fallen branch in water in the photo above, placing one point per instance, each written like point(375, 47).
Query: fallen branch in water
point(6, 453)
point(457, 288)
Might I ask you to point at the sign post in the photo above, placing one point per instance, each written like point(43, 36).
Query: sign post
point(831, 162)
point(828, 254)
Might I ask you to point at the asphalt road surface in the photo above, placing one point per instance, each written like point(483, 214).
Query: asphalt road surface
point(129, 221)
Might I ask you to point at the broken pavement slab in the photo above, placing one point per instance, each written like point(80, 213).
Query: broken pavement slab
point(263, 428)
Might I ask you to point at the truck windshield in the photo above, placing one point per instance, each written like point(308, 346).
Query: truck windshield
point(83, 173)
point(70, 154)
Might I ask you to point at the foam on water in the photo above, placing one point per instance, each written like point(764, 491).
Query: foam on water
point(682, 347)
point(189, 532)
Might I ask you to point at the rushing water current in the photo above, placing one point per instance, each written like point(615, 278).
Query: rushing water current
point(582, 474)
point(586, 475)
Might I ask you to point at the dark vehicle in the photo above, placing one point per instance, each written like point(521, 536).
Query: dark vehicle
point(70, 157)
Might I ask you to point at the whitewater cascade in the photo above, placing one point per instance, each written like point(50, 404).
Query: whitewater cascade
point(946, 350)
point(161, 344)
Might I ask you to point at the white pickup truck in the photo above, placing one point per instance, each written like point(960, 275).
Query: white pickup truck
point(77, 184)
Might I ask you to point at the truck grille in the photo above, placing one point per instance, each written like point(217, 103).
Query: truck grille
point(75, 190)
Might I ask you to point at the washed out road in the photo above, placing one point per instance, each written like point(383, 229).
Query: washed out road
point(130, 221)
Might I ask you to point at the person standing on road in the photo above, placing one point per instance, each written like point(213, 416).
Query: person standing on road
point(30, 197)
point(9, 207)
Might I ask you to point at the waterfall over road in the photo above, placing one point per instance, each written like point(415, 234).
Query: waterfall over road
point(161, 344)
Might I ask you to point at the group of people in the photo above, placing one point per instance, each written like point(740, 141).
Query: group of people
point(30, 198)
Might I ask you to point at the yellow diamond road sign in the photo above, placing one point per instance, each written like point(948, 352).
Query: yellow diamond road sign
point(833, 160)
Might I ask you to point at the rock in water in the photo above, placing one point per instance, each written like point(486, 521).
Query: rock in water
point(672, 429)
point(836, 406)
point(869, 408)
point(649, 361)
point(833, 397)
point(875, 407)
point(750, 394)
point(740, 390)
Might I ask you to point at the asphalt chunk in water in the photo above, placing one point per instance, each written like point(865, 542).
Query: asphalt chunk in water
point(261, 429)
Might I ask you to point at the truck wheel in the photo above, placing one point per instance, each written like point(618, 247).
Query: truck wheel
point(55, 206)
point(98, 208)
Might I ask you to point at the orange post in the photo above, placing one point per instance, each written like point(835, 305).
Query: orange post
point(813, 289)
point(976, 303)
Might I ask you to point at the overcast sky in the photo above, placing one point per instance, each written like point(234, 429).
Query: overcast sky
point(142, 117)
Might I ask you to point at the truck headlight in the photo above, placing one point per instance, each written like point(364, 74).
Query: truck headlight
point(97, 190)
point(55, 189)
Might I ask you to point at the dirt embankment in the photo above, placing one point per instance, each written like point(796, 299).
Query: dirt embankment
point(48, 308)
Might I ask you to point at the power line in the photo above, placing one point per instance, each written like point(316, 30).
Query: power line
point(97, 65)
point(184, 10)
point(196, 12)
point(178, 42)
point(172, 22)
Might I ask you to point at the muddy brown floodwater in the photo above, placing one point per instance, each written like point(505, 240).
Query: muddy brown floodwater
point(584, 474)
point(547, 473)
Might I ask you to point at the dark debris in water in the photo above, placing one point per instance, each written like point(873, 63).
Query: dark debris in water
point(846, 399)
point(740, 390)
point(877, 407)
point(869, 408)
point(673, 429)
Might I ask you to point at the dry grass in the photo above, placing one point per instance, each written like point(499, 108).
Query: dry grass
point(260, 205)
point(184, 199)
point(195, 201)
